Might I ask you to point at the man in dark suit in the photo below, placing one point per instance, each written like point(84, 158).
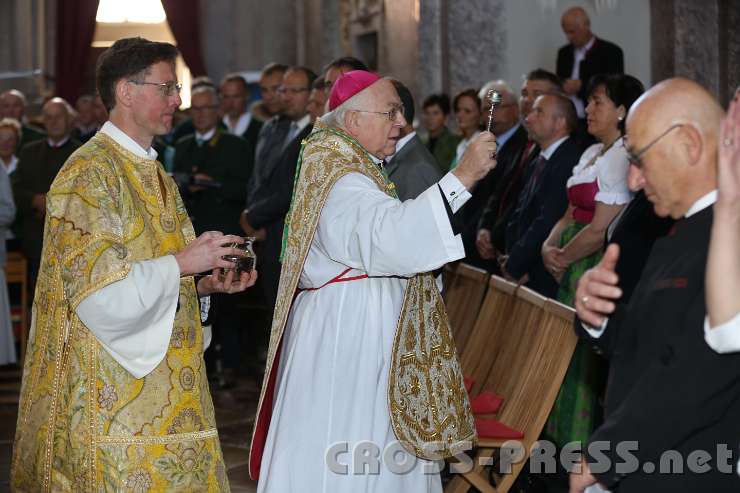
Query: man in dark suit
point(670, 391)
point(269, 201)
point(237, 118)
point(635, 230)
point(212, 167)
point(13, 105)
point(584, 56)
point(412, 168)
point(491, 237)
point(543, 200)
point(38, 165)
point(511, 137)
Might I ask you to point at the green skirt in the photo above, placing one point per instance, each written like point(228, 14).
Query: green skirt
point(574, 413)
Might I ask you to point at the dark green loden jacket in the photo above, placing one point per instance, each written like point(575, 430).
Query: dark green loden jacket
point(444, 149)
point(226, 159)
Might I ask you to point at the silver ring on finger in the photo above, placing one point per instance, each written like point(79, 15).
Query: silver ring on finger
point(584, 300)
point(728, 142)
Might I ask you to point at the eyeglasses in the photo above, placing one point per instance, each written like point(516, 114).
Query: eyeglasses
point(165, 88)
point(292, 90)
point(391, 115)
point(635, 158)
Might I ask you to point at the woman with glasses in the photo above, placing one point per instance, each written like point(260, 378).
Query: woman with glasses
point(467, 114)
point(597, 193)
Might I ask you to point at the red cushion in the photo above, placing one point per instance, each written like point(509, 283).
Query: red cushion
point(486, 403)
point(493, 428)
point(469, 382)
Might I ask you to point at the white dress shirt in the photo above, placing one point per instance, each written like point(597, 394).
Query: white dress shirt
point(241, 124)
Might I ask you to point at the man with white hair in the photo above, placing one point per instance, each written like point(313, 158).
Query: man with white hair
point(38, 165)
point(13, 105)
point(361, 357)
point(511, 137)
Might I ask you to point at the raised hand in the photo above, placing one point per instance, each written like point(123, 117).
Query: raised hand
point(728, 167)
point(478, 160)
point(598, 289)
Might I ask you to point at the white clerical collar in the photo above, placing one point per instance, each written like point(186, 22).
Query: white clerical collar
point(547, 153)
point(584, 49)
point(403, 141)
point(127, 142)
point(501, 139)
point(701, 204)
point(206, 136)
point(58, 143)
point(12, 165)
point(241, 123)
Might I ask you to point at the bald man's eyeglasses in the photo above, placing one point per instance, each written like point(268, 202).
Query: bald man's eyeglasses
point(635, 158)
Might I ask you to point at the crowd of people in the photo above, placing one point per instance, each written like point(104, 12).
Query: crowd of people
point(581, 160)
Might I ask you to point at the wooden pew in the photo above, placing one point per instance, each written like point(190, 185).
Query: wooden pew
point(529, 354)
point(463, 301)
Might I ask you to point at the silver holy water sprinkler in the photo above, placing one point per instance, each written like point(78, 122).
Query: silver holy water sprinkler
point(495, 98)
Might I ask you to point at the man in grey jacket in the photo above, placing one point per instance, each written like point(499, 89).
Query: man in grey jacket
point(412, 168)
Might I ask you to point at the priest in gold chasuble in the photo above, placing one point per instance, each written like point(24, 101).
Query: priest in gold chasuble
point(114, 394)
point(361, 362)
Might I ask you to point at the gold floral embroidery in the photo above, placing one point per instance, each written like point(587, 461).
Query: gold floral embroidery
point(107, 397)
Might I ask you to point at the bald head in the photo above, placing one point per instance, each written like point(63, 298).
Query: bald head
point(576, 26)
point(57, 116)
point(674, 129)
point(12, 104)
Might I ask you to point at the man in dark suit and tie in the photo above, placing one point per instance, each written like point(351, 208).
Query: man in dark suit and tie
point(669, 391)
point(511, 137)
point(491, 236)
point(584, 56)
point(543, 199)
point(269, 202)
point(412, 168)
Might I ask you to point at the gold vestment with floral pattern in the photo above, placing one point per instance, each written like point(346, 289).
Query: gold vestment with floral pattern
point(428, 405)
point(84, 422)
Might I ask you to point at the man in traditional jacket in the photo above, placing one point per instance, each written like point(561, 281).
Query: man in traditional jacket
point(670, 393)
point(38, 165)
point(361, 353)
point(114, 394)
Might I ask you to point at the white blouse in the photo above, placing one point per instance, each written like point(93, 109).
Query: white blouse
point(609, 171)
